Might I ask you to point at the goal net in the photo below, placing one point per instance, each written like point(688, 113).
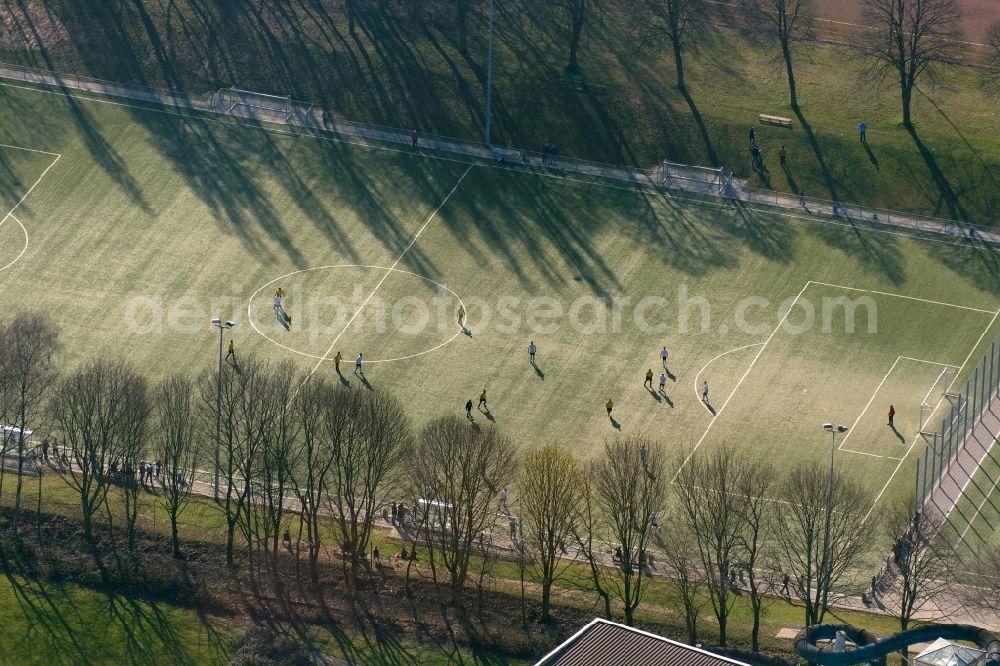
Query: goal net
point(935, 394)
point(235, 100)
point(672, 174)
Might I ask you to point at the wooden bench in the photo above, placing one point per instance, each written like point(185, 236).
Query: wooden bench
point(777, 121)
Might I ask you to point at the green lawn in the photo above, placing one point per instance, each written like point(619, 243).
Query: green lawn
point(410, 71)
point(50, 623)
point(149, 223)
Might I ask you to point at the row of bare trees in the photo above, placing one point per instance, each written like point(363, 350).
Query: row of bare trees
point(328, 459)
point(907, 39)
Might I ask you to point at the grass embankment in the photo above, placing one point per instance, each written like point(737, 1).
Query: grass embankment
point(410, 72)
point(131, 620)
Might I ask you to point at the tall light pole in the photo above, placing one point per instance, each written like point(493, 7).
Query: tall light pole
point(489, 80)
point(218, 401)
point(833, 430)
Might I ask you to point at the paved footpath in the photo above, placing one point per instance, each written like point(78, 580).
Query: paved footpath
point(686, 179)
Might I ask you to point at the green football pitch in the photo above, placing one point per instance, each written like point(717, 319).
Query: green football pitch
point(133, 226)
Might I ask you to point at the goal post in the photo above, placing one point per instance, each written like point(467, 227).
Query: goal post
point(236, 100)
point(935, 394)
point(671, 173)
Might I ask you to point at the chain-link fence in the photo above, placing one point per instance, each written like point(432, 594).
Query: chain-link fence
point(956, 449)
point(667, 175)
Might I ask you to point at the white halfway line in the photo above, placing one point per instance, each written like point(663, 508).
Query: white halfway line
point(21, 200)
point(386, 276)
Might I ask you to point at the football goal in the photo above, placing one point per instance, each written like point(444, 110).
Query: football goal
point(245, 102)
point(935, 394)
point(672, 174)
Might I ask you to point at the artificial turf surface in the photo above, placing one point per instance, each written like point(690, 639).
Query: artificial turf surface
point(149, 222)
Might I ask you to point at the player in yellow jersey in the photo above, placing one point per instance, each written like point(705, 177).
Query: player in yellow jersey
point(336, 362)
point(609, 406)
point(232, 351)
point(482, 399)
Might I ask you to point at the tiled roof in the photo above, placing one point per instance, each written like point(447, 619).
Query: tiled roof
point(604, 643)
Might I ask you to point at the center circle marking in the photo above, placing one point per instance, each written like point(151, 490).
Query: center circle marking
point(264, 286)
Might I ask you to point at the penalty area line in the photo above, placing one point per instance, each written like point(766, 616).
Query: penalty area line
point(931, 416)
point(740, 382)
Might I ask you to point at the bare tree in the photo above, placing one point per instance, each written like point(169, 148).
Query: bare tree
point(686, 576)
point(921, 569)
point(368, 432)
point(708, 491)
point(576, 13)
point(991, 72)
point(910, 38)
point(276, 462)
point(550, 489)
point(89, 407)
point(458, 470)
point(814, 563)
point(315, 458)
point(758, 516)
point(462, 8)
point(175, 444)
point(985, 570)
point(132, 439)
point(630, 490)
point(675, 21)
point(787, 20)
point(246, 411)
point(27, 374)
point(350, 8)
point(588, 533)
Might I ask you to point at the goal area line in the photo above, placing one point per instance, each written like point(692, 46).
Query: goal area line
point(766, 343)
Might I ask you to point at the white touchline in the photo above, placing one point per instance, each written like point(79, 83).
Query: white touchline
point(384, 277)
point(931, 415)
point(740, 382)
point(909, 298)
point(195, 113)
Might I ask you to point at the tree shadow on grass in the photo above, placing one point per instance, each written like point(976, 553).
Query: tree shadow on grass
point(713, 158)
point(42, 612)
point(859, 240)
point(945, 190)
point(147, 632)
point(828, 179)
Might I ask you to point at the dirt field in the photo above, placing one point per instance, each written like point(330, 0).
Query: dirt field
point(842, 17)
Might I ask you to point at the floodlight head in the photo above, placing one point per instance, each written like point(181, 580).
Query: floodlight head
point(215, 322)
point(827, 426)
point(230, 324)
point(841, 428)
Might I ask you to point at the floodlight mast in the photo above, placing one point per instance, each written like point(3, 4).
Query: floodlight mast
point(218, 403)
point(827, 568)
